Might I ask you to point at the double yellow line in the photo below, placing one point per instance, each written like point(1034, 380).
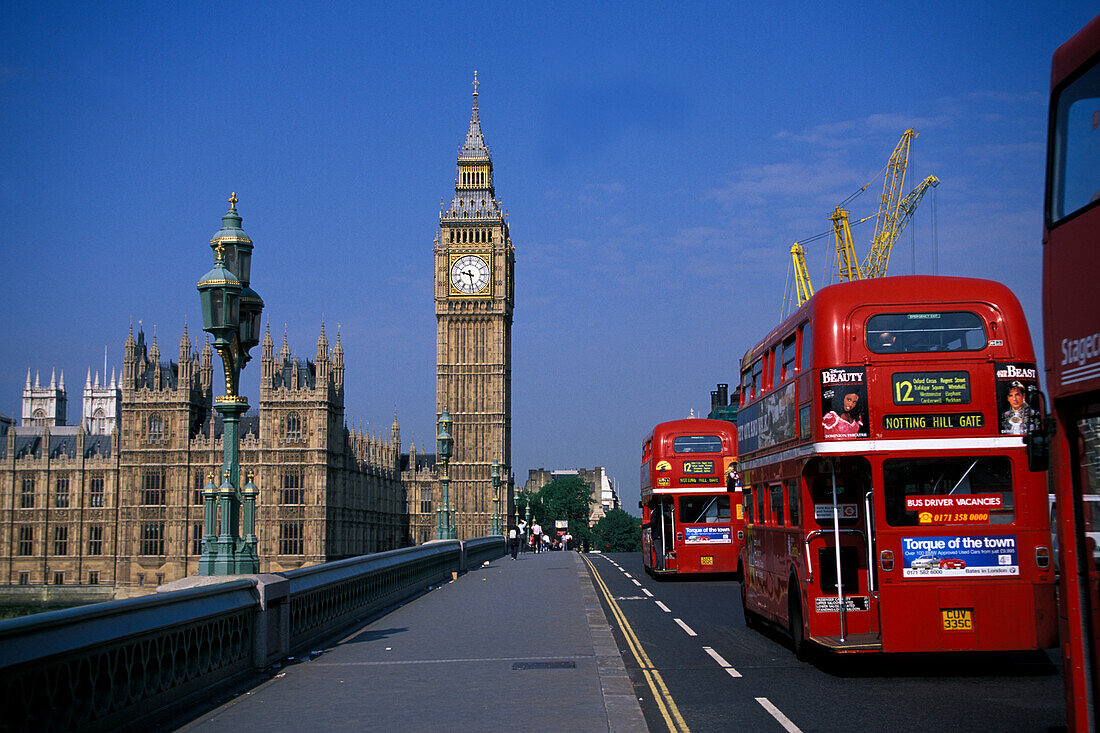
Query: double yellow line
point(665, 703)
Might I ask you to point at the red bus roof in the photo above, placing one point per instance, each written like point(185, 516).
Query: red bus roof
point(834, 302)
point(693, 425)
point(1073, 53)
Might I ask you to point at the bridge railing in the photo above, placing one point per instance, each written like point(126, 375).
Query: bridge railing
point(110, 665)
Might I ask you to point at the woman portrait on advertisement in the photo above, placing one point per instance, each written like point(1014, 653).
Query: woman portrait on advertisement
point(845, 420)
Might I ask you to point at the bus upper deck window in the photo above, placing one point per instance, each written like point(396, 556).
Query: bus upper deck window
point(758, 377)
point(909, 333)
point(1075, 160)
point(697, 444)
point(788, 356)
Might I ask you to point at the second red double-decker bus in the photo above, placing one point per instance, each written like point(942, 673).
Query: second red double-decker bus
point(888, 501)
point(690, 498)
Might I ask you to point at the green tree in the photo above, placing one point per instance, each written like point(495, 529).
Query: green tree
point(617, 531)
point(564, 498)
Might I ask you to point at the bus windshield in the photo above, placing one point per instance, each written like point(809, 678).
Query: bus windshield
point(955, 490)
point(1075, 178)
point(908, 333)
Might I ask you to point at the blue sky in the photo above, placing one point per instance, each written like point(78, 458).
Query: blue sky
point(657, 161)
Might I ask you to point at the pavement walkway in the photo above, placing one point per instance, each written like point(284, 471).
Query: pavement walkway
point(509, 645)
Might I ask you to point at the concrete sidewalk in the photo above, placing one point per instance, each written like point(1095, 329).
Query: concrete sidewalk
point(513, 644)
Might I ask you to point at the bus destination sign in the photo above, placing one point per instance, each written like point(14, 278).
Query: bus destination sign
point(931, 388)
point(698, 466)
point(942, 421)
point(697, 480)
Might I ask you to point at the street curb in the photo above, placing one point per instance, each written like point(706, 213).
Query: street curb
point(624, 714)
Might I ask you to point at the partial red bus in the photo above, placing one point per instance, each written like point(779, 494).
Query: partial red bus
point(1071, 333)
point(888, 503)
point(690, 498)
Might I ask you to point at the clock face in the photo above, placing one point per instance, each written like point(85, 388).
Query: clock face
point(470, 274)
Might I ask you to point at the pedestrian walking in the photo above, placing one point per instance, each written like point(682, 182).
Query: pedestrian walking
point(513, 541)
point(536, 537)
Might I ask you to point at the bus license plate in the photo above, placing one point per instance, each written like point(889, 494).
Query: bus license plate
point(958, 619)
point(706, 560)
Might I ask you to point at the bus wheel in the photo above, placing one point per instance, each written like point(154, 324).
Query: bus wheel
point(751, 619)
point(798, 633)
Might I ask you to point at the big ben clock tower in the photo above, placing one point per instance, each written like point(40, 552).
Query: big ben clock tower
point(474, 265)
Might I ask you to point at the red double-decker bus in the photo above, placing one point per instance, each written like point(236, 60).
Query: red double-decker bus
point(888, 503)
point(1071, 333)
point(690, 498)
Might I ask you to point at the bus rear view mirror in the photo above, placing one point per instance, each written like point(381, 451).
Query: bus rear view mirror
point(1039, 432)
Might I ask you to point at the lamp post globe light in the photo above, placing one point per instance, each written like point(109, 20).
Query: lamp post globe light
point(496, 529)
point(445, 529)
point(231, 315)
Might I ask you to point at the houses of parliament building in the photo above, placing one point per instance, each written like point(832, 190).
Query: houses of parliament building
point(115, 500)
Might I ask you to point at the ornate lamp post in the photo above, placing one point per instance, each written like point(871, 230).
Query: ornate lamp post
point(527, 499)
point(496, 499)
point(231, 314)
point(515, 504)
point(445, 529)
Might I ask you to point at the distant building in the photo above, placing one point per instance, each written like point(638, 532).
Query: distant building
point(604, 496)
point(421, 481)
point(116, 499)
point(722, 406)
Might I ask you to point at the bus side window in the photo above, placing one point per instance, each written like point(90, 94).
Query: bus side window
point(757, 377)
point(746, 501)
point(807, 350)
point(789, 354)
point(761, 505)
point(746, 387)
point(792, 501)
point(776, 491)
point(777, 373)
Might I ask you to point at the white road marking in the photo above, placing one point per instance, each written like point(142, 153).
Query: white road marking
point(722, 662)
point(635, 582)
point(627, 574)
point(663, 607)
point(783, 719)
point(685, 627)
point(644, 590)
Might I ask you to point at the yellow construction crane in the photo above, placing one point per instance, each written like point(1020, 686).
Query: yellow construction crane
point(893, 214)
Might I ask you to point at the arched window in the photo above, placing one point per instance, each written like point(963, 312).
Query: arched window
point(99, 423)
point(156, 427)
point(293, 426)
point(39, 417)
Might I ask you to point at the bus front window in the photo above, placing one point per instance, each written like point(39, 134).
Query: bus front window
point(1075, 147)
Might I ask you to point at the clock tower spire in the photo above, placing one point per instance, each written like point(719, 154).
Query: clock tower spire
point(474, 265)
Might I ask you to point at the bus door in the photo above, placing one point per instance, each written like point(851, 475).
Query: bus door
point(664, 534)
point(839, 539)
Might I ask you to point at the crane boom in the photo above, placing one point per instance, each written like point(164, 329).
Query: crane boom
point(846, 262)
point(879, 257)
point(802, 278)
point(886, 230)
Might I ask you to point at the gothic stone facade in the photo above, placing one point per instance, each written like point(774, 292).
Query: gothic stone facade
point(474, 265)
point(125, 509)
